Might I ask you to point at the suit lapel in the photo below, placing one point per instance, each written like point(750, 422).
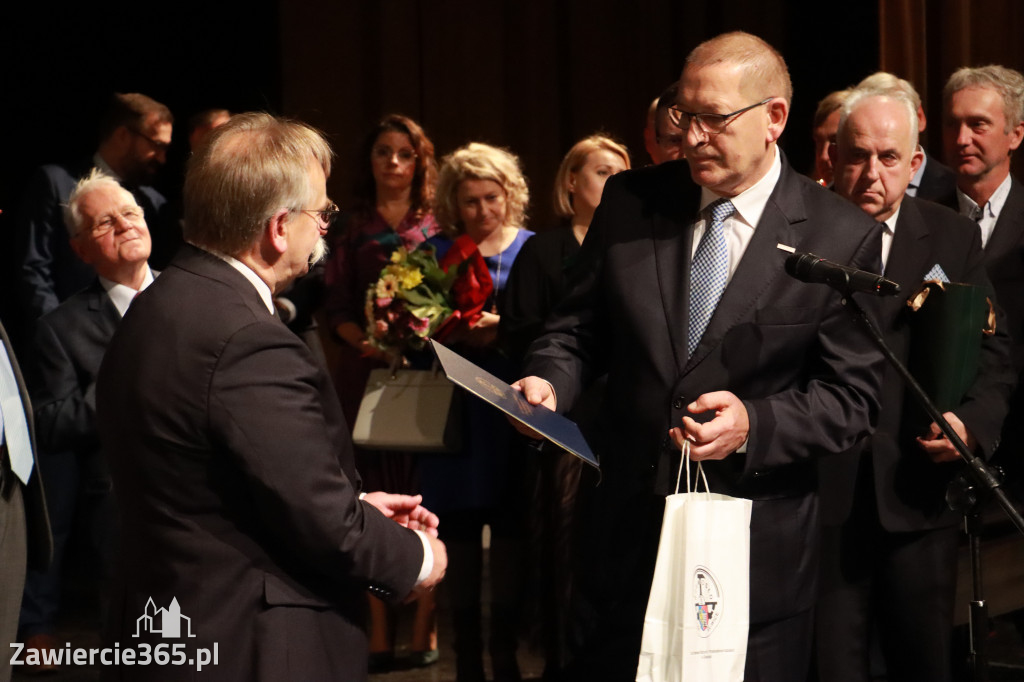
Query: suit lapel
point(907, 259)
point(672, 240)
point(1010, 225)
point(761, 264)
point(103, 311)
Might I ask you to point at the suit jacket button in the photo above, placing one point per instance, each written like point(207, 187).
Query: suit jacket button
point(678, 403)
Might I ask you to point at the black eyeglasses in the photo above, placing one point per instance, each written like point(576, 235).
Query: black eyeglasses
point(709, 124)
point(160, 146)
point(325, 216)
point(106, 223)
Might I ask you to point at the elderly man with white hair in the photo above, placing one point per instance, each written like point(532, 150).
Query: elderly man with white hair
point(107, 231)
point(890, 540)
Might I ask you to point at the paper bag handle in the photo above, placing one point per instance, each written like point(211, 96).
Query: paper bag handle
point(700, 470)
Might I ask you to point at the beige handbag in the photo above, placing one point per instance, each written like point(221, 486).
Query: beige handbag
point(409, 409)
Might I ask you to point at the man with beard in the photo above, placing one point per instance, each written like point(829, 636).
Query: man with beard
point(134, 136)
point(239, 499)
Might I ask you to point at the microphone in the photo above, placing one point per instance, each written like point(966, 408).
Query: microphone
point(807, 267)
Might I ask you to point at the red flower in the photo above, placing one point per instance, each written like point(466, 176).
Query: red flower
point(473, 286)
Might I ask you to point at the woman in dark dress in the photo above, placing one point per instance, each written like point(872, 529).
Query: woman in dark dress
point(395, 192)
point(482, 194)
point(537, 283)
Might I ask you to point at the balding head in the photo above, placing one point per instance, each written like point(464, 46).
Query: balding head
point(764, 70)
point(732, 107)
point(876, 153)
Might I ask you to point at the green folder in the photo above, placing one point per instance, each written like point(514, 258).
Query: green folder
point(948, 321)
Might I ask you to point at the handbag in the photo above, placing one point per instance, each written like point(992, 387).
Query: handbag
point(409, 409)
point(698, 614)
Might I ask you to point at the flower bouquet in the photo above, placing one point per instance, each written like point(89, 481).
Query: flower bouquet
point(416, 298)
point(409, 300)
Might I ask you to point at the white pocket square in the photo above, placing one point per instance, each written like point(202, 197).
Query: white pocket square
point(936, 273)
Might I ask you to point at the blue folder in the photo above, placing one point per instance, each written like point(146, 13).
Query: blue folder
point(554, 427)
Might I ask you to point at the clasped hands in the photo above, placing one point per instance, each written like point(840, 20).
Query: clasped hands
point(406, 510)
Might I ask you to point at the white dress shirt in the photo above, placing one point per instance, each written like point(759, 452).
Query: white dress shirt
point(888, 234)
point(122, 295)
point(739, 227)
point(989, 213)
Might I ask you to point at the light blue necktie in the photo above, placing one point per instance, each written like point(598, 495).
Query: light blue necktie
point(13, 427)
point(709, 271)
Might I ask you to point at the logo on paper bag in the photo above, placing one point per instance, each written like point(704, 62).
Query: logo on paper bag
point(707, 600)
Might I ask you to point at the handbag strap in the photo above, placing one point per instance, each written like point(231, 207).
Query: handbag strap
point(700, 470)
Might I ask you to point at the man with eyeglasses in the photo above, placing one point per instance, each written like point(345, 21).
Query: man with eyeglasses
point(662, 138)
point(232, 461)
point(107, 231)
point(680, 295)
point(135, 133)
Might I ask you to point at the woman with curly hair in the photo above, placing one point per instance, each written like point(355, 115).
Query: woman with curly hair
point(396, 179)
point(482, 194)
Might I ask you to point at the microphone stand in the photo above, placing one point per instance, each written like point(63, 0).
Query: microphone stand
point(975, 484)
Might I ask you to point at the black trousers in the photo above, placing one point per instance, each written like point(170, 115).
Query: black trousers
point(902, 584)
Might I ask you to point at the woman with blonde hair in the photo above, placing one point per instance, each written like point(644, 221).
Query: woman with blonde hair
point(482, 195)
point(538, 280)
point(537, 283)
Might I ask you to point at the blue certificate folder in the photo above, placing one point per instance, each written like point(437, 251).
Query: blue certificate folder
point(490, 389)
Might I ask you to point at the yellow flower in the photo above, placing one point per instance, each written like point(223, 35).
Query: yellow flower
point(387, 286)
point(410, 278)
point(399, 255)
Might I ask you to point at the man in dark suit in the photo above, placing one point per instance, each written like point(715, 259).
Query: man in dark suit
point(24, 526)
point(984, 126)
point(134, 136)
point(107, 230)
point(231, 460)
point(890, 541)
point(779, 375)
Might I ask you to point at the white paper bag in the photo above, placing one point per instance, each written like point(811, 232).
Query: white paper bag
point(698, 614)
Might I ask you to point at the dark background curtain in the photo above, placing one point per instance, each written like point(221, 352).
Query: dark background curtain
point(531, 75)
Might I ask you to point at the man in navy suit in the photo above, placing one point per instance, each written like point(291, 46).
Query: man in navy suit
point(890, 540)
point(134, 136)
point(107, 231)
point(680, 295)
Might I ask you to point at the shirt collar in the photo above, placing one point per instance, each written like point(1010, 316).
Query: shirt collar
point(890, 223)
point(122, 295)
point(262, 288)
point(750, 203)
point(994, 205)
